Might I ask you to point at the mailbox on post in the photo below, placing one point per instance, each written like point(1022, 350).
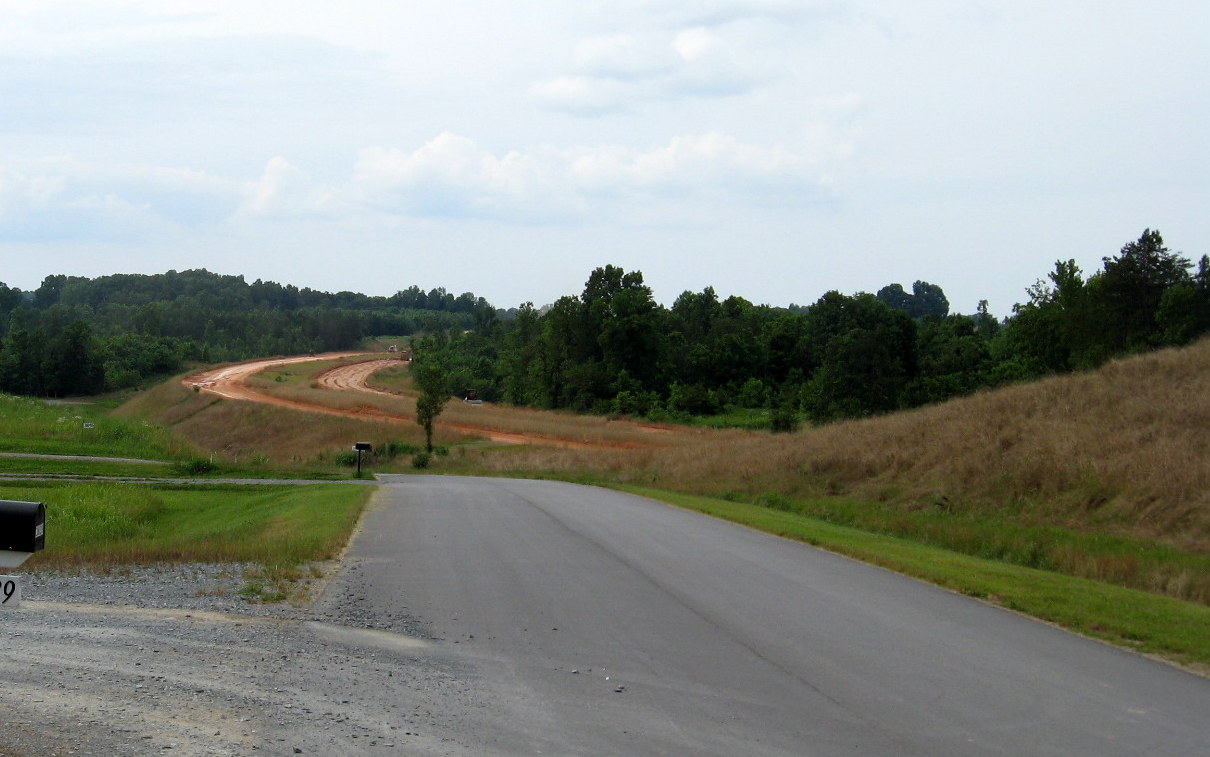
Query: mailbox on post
point(360, 447)
point(22, 531)
point(22, 526)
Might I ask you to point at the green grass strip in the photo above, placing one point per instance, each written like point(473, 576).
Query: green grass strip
point(106, 524)
point(32, 425)
point(1144, 622)
point(32, 466)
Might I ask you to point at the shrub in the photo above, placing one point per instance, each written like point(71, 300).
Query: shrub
point(754, 393)
point(421, 460)
point(777, 502)
point(783, 420)
point(393, 449)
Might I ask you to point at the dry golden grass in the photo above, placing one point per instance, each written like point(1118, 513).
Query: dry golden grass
point(242, 432)
point(1125, 448)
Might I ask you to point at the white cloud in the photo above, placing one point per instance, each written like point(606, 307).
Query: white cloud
point(20, 193)
point(722, 12)
point(587, 95)
point(283, 190)
point(216, 126)
point(454, 176)
point(623, 57)
point(695, 44)
point(45, 209)
point(63, 197)
point(617, 73)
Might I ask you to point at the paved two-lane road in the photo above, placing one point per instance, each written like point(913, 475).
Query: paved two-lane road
point(595, 623)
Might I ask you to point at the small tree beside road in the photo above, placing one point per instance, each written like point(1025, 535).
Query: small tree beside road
point(431, 375)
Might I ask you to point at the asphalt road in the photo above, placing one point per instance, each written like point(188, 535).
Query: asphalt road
point(594, 623)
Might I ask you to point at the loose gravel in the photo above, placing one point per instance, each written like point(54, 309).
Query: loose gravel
point(171, 659)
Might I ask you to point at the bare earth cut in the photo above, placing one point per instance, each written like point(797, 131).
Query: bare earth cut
point(230, 382)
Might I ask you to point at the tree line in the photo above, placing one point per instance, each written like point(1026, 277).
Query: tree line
point(80, 336)
point(612, 349)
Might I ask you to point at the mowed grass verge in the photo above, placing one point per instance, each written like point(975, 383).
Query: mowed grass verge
point(105, 525)
point(33, 466)
point(1141, 621)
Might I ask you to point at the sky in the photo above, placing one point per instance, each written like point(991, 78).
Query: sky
point(770, 149)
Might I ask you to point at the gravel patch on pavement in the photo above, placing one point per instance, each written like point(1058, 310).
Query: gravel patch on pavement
point(172, 659)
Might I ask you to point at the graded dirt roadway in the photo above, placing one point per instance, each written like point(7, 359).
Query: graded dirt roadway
point(509, 617)
point(355, 377)
point(229, 382)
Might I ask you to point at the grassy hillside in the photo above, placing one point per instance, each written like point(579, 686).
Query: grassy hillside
point(1125, 448)
point(243, 433)
point(37, 427)
point(1102, 475)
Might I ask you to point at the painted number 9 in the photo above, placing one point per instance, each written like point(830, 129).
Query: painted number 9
point(8, 589)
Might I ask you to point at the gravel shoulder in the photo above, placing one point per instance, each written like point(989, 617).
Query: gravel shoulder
point(171, 660)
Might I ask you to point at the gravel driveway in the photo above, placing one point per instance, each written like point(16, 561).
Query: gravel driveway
point(171, 660)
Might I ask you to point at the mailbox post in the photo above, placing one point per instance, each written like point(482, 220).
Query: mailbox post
point(22, 533)
point(361, 447)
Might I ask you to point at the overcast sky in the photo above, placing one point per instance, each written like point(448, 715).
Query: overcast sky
point(772, 149)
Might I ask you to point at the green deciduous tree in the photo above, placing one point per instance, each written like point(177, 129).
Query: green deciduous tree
point(1130, 289)
point(73, 363)
point(1184, 311)
point(868, 356)
point(431, 376)
point(926, 300)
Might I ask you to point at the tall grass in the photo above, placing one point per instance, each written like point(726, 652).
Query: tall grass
point(1124, 450)
point(272, 438)
point(34, 426)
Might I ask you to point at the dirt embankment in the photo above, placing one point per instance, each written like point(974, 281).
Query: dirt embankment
point(230, 382)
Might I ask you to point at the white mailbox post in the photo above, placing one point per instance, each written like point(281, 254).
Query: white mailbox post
point(22, 533)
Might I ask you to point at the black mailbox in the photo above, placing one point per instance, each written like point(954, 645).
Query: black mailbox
point(22, 526)
point(363, 446)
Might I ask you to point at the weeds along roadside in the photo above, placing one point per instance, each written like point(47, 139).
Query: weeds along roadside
point(37, 427)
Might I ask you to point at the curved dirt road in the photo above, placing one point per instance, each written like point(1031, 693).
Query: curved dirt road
point(229, 382)
point(355, 377)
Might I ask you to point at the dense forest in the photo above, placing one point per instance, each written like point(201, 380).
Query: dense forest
point(79, 336)
point(612, 348)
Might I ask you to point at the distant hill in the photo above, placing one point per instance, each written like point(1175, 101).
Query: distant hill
point(75, 335)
